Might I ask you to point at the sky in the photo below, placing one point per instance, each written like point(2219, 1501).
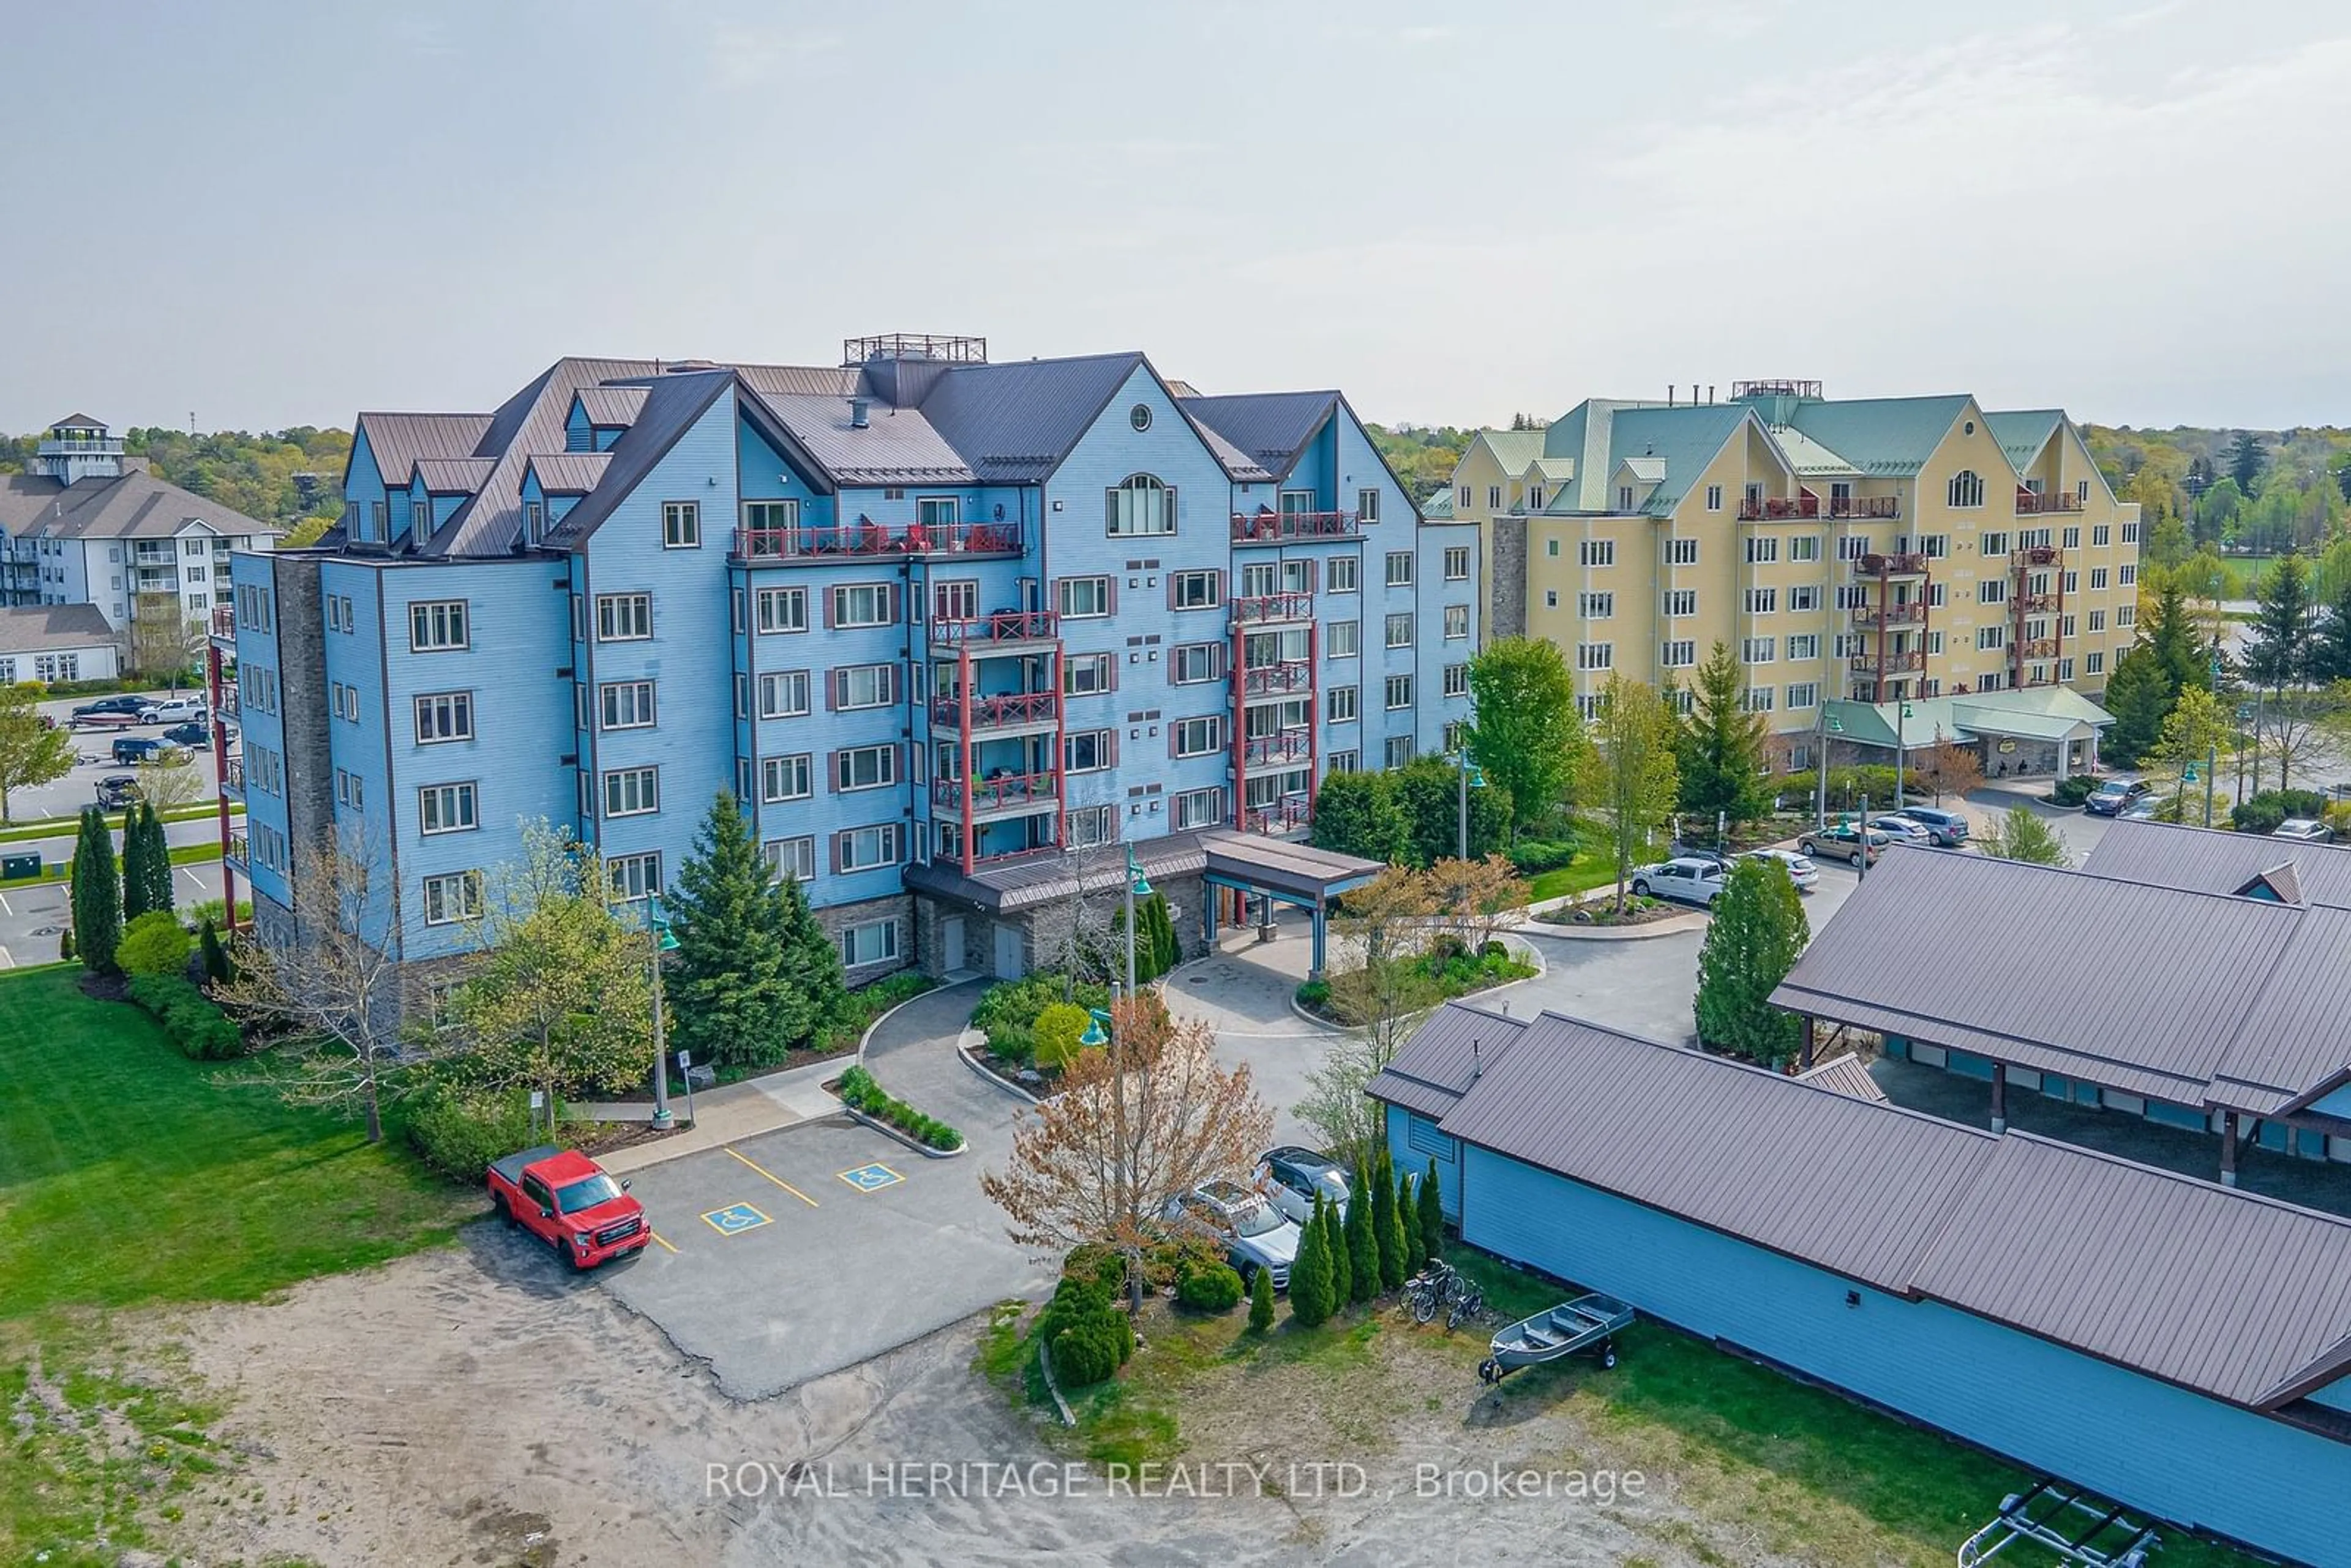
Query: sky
point(260, 214)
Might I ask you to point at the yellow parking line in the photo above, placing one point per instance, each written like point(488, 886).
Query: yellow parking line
point(665, 1244)
point(774, 1178)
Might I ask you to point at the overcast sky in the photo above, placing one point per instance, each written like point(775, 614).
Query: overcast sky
point(268, 214)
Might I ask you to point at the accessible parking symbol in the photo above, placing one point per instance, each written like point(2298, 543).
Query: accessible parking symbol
point(866, 1178)
point(734, 1219)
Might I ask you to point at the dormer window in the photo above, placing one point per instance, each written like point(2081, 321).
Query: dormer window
point(534, 519)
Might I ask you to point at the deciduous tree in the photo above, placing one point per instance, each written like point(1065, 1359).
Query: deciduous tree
point(31, 752)
point(2020, 834)
point(1720, 747)
point(97, 893)
point(1478, 900)
point(1758, 933)
point(1526, 733)
point(2192, 733)
point(1635, 774)
point(1428, 792)
point(170, 781)
point(1946, 768)
point(163, 639)
point(1357, 814)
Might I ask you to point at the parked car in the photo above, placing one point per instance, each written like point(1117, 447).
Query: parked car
point(1948, 829)
point(1699, 852)
point(117, 792)
point(129, 705)
point(2142, 809)
point(133, 748)
point(1254, 1233)
point(173, 710)
point(1903, 828)
point(1843, 840)
point(1800, 871)
point(196, 737)
point(1684, 877)
point(2304, 829)
point(567, 1201)
point(1290, 1177)
point(2109, 798)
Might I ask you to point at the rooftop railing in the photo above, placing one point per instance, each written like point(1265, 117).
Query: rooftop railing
point(869, 540)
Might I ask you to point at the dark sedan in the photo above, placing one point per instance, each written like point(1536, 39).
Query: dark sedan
point(2109, 798)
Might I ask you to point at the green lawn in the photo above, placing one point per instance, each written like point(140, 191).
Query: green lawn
point(66, 827)
point(181, 854)
point(1593, 866)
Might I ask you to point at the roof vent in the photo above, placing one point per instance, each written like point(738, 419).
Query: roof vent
point(861, 413)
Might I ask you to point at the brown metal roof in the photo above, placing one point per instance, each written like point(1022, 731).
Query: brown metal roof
point(398, 440)
point(1273, 864)
point(1847, 1075)
point(2212, 860)
point(2297, 1034)
point(453, 475)
point(569, 472)
point(612, 408)
point(1284, 866)
point(1446, 1056)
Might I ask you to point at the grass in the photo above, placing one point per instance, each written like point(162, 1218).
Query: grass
point(1594, 865)
point(181, 854)
point(131, 1176)
point(54, 827)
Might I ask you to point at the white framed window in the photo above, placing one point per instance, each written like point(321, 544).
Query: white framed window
point(1593, 606)
point(2073, 536)
point(1803, 694)
point(634, 877)
point(1199, 737)
point(2100, 534)
point(1991, 637)
point(454, 897)
point(874, 942)
point(1681, 553)
point(2131, 533)
point(1804, 646)
point(864, 687)
point(1991, 590)
point(1966, 489)
point(1086, 751)
point(1756, 699)
point(1762, 600)
point(793, 858)
point(1399, 692)
point(2097, 577)
point(1456, 621)
point(1399, 568)
point(784, 693)
point(1759, 650)
point(420, 517)
point(624, 617)
point(1493, 497)
point(437, 626)
point(770, 521)
point(1804, 598)
point(786, 779)
point(1624, 497)
point(1935, 546)
point(446, 808)
point(1198, 590)
point(863, 604)
point(1399, 629)
point(1085, 597)
point(1852, 596)
point(1762, 549)
point(681, 525)
point(1086, 674)
point(937, 511)
point(1341, 574)
point(2097, 620)
point(1140, 505)
point(1348, 761)
point(2093, 664)
point(1457, 563)
point(1681, 601)
point(958, 601)
point(1844, 644)
point(864, 767)
point(1398, 750)
point(1595, 655)
point(1339, 705)
point(627, 705)
point(782, 609)
point(1804, 547)
point(1991, 544)
point(1595, 552)
point(1090, 827)
point(1367, 506)
point(1992, 681)
point(632, 791)
point(1457, 680)
point(1193, 663)
point(2125, 576)
point(1678, 655)
point(1714, 497)
point(867, 849)
point(1198, 809)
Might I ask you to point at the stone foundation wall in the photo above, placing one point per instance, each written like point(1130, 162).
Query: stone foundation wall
point(899, 907)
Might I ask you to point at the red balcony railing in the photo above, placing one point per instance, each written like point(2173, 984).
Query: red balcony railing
point(1004, 626)
point(1907, 563)
point(1283, 745)
point(2037, 648)
point(1766, 508)
point(1008, 791)
point(2034, 603)
point(1283, 816)
point(2031, 503)
point(1260, 609)
point(997, 712)
point(1907, 661)
point(1296, 676)
point(2037, 555)
point(878, 539)
point(1273, 527)
point(1866, 616)
point(223, 621)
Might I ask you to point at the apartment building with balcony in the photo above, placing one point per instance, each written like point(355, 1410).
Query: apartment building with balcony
point(941, 624)
point(1872, 550)
point(87, 523)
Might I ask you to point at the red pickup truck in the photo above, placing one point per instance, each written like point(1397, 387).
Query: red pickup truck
point(565, 1200)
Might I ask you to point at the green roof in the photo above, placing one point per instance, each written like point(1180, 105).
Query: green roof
point(1514, 449)
point(2032, 713)
point(2022, 433)
point(1439, 506)
point(1887, 435)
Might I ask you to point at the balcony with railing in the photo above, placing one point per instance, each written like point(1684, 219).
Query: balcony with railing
point(997, 632)
point(224, 622)
point(1905, 563)
point(1869, 617)
point(1895, 661)
point(1285, 815)
point(1778, 508)
point(2034, 503)
point(2034, 603)
point(2037, 648)
point(231, 779)
point(866, 541)
point(144, 554)
point(1282, 527)
point(238, 852)
point(1278, 750)
point(1278, 680)
point(2037, 555)
point(231, 703)
point(1272, 608)
point(155, 579)
point(1007, 712)
point(1000, 795)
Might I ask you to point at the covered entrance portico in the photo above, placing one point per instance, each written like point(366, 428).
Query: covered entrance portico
point(1245, 865)
point(2033, 732)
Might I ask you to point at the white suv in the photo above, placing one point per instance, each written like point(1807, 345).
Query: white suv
point(1692, 881)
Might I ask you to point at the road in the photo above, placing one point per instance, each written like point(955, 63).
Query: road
point(32, 916)
point(69, 795)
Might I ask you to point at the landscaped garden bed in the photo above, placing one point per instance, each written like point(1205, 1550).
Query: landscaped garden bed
point(1030, 1028)
point(872, 1104)
point(1448, 967)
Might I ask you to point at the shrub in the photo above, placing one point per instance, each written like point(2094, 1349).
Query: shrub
point(1083, 1355)
point(1847, 786)
point(2073, 790)
point(1007, 1012)
point(66, 946)
point(215, 956)
point(153, 944)
point(1101, 1265)
point(1081, 1327)
point(1216, 1290)
point(2261, 814)
point(201, 1030)
point(1170, 1262)
point(859, 1090)
point(1261, 1301)
point(1314, 996)
point(1056, 1034)
point(458, 1133)
point(1530, 856)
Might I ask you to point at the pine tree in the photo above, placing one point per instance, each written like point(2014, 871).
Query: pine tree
point(1432, 1216)
point(1719, 753)
point(2246, 460)
point(2277, 645)
point(215, 956)
point(1309, 1272)
point(811, 961)
point(1758, 933)
point(156, 863)
point(1362, 1250)
point(1407, 1208)
point(2330, 641)
point(1261, 1301)
point(729, 984)
point(1387, 1231)
point(137, 884)
point(1342, 1258)
point(97, 893)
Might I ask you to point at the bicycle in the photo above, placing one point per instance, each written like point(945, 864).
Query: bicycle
point(1440, 1287)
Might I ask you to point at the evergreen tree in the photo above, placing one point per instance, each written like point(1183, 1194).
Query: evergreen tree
point(2277, 645)
point(1155, 951)
point(731, 992)
point(811, 960)
point(215, 956)
point(1758, 933)
point(1407, 1209)
point(1162, 933)
point(1357, 814)
point(1386, 1230)
point(1342, 1257)
point(2246, 460)
point(1362, 1248)
point(1309, 1272)
point(2330, 640)
point(138, 885)
point(156, 862)
point(1261, 1301)
point(97, 893)
point(1431, 1204)
point(2138, 697)
point(1719, 752)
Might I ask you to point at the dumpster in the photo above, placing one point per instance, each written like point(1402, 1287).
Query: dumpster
point(15, 868)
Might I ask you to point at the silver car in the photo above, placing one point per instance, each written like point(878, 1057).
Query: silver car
point(1291, 1177)
point(1902, 829)
point(1801, 869)
point(1254, 1233)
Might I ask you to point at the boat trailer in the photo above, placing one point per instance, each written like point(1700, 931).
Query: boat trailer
point(2047, 1515)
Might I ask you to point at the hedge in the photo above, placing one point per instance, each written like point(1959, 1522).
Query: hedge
point(858, 1089)
point(1007, 1012)
point(2073, 790)
point(1531, 855)
point(1213, 1289)
point(458, 1133)
point(201, 1030)
point(1847, 787)
point(2261, 814)
point(1082, 1328)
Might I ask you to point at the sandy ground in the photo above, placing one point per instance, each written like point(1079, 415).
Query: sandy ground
point(438, 1411)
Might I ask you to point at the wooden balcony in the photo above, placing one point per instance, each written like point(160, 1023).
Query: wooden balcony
point(2034, 603)
point(2037, 648)
point(867, 540)
point(1278, 680)
point(1005, 795)
point(1869, 617)
point(1283, 527)
point(991, 632)
point(1012, 710)
point(1272, 609)
point(2037, 503)
point(1908, 563)
point(1907, 662)
point(1776, 508)
point(2037, 555)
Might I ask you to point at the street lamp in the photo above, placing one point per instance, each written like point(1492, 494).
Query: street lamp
point(1137, 887)
point(657, 925)
point(1472, 778)
point(1830, 726)
point(2212, 761)
point(1901, 712)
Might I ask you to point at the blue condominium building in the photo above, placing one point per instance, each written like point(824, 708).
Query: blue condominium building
point(938, 622)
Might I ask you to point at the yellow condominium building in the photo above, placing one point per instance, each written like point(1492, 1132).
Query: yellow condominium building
point(1872, 550)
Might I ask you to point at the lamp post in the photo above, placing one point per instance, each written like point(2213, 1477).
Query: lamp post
point(2212, 761)
point(1829, 725)
point(657, 926)
point(1901, 750)
point(1472, 776)
point(1137, 887)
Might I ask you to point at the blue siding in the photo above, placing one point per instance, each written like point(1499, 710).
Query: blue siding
point(2186, 1458)
point(363, 486)
point(2338, 1103)
point(258, 650)
point(1413, 1142)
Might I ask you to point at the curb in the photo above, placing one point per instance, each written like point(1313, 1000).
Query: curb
point(963, 1054)
point(1673, 926)
point(1533, 955)
point(1045, 1365)
point(887, 1131)
point(867, 1037)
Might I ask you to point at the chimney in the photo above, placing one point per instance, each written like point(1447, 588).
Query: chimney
point(1669, 394)
point(1709, 391)
point(861, 413)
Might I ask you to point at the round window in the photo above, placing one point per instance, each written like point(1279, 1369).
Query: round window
point(1971, 427)
point(1139, 416)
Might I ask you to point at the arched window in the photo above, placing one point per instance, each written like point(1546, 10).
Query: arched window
point(1142, 506)
point(1967, 488)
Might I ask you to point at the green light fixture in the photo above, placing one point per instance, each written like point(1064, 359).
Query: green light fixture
point(1097, 1028)
point(1136, 881)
